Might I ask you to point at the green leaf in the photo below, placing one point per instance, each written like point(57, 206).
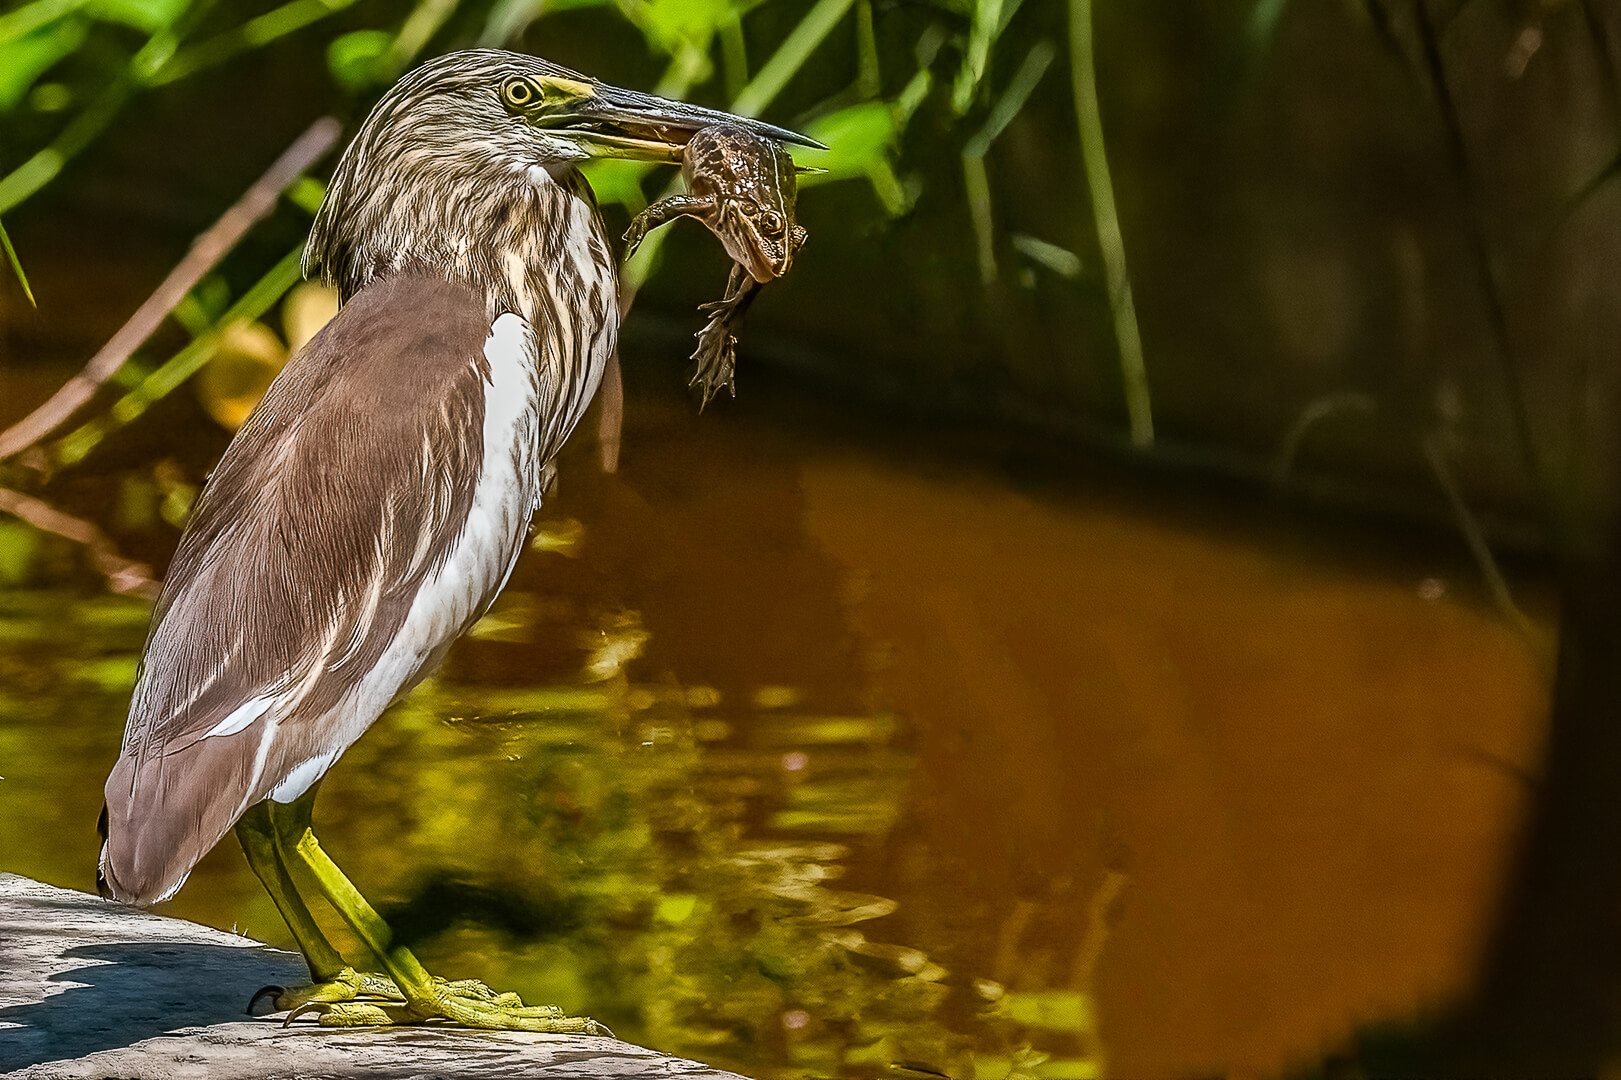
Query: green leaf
point(352, 58)
point(618, 180)
point(858, 140)
point(148, 15)
point(16, 265)
point(24, 59)
point(669, 23)
point(30, 17)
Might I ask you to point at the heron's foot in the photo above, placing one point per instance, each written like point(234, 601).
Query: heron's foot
point(469, 1003)
point(716, 355)
point(347, 985)
point(367, 988)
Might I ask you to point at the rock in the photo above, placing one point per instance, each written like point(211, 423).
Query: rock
point(93, 990)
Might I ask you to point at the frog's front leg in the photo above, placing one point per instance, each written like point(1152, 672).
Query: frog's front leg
point(716, 354)
point(661, 213)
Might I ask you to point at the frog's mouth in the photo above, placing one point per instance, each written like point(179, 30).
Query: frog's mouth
point(766, 253)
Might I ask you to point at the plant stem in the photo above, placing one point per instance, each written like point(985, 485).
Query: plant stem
point(978, 187)
point(177, 369)
point(790, 56)
point(1133, 372)
point(205, 253)
point(16, 266)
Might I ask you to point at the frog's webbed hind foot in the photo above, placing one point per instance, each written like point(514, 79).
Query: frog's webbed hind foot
point(715, 357)
point(716, 354)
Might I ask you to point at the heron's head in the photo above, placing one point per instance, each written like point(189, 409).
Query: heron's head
point(448, 153)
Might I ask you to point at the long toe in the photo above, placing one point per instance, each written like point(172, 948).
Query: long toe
point(494, 1017)
point(349, 1014)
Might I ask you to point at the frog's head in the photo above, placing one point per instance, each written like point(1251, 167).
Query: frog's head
point(757, 223)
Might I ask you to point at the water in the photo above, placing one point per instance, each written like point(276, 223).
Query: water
point(804, 759)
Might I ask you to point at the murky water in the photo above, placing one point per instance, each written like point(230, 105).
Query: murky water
point(804, 760)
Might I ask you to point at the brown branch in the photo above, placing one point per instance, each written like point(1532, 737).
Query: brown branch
point(123, 575)
point(206, 251)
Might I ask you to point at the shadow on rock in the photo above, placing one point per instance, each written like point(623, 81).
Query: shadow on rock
point(125, 992)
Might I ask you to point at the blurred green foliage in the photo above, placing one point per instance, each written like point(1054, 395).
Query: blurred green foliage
point(69, 70)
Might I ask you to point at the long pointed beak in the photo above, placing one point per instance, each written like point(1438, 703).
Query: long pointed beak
point(609, 122)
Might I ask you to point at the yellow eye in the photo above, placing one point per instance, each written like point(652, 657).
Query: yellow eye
point(518, 93)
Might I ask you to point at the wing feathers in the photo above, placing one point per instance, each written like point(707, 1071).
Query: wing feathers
point(328, 511)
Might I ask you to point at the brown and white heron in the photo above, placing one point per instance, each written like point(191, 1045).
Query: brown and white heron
point(374, 504)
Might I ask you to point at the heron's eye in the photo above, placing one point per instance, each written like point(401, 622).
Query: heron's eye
point(518, 93)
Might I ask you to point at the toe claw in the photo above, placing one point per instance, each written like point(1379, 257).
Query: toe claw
point(269, 994)
point(293, 1014)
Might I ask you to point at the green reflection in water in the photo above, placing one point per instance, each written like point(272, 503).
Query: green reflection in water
point(643, 853)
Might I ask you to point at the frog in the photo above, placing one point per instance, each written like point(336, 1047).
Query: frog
point(743, 186)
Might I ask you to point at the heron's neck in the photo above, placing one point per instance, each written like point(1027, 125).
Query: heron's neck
point(528, 242)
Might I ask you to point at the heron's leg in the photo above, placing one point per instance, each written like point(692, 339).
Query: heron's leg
point(422, 996)
point(257, 835)
point(331, 979)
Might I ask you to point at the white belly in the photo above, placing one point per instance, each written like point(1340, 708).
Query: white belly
point(461, 589)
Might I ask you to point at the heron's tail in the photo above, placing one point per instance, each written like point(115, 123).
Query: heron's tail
point(155, 827)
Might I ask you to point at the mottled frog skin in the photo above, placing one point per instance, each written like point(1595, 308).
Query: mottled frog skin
point(742, 186)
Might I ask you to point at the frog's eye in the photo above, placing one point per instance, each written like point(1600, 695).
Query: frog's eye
point(519, 93)
point(751, 209)
point(772, 221)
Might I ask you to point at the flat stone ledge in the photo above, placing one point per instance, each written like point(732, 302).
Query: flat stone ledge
point(92, 990)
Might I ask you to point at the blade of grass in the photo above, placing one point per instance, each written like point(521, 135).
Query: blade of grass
point(790, 56)
point(1133, 371)
point(257, 31)
point(1019, 89)
point(74, 446)
point(975, 178)
point(43, 166)
point(734, 55)
point(868, 80)
point(16, 266)
point(978, 186)
point(30, 17)
point(209, 248)
point(424, 21)
point(981, 35)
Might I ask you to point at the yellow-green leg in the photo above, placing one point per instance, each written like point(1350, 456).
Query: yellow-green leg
point(408, 994)
point(331, 979)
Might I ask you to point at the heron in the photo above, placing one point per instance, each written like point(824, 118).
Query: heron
point(370, 509)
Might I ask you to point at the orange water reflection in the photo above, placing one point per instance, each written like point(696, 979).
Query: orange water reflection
point(807, 760)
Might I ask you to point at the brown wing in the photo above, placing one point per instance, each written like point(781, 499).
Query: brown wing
point(302, 558)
